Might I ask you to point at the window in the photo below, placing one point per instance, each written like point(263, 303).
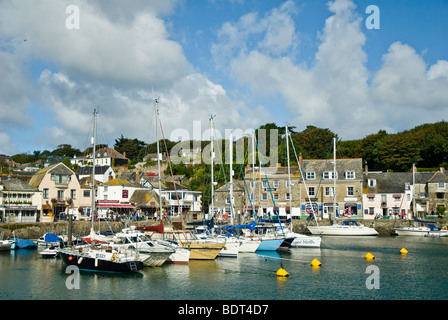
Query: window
point(311, 191)
point(264, 184)
point(288, 196)
point(287, 184)
point(350, 175)
point(275, 184)
point(46, 193)
point(350, 191)
point(86, 193)
point(227, 200)
point(371, 182)
point(311, 175)
point(60, 194)
point(275, 196)
point(441, 185)
point(328, 191)
point(330, 175)
point(252, 184)
point(73, 193)
point(264, 196)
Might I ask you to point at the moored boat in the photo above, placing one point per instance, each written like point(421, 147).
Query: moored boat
point(107, 260)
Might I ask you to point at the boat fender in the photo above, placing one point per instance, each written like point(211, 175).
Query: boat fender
point(369, 256)
point(444, 228)
point(80, 260)
point(403, 251)
point(316, 263)
point(114, 257)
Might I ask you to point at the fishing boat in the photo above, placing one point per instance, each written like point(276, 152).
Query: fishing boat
point(425, 229)
point(344, 227)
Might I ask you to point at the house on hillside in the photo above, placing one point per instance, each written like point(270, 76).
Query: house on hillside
point(115, 195)
point(102, 173)
point(61, 192)
point(103, 157)
point(19, 202)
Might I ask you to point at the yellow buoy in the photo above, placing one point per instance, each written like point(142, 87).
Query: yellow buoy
point(403, 251)
point(316, 263)
point(282, 272)
point(369, 256)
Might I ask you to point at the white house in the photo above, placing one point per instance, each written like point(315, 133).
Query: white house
point(102, 173)
point(115, 196)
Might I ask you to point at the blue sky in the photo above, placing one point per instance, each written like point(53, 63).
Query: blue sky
point(296, 62)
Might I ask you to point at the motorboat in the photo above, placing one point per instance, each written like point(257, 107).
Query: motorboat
point(151, 253)
point(345, 228)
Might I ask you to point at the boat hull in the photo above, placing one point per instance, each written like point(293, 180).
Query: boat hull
point(270, 244)
point(203, 251)
point(85, 262)
point(420, 232)
point(306, 242)
point(342, 230)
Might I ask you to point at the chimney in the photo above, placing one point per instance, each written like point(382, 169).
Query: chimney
point(300, 159)
point(366, 167)
point(442, 169)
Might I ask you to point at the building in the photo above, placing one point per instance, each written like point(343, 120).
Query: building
point(387, 195)
point(61, 192)
point(102, 173)
point(431, 193)
point(319, 182)
point(115, 195)
point(19, 202)
point(103, 157)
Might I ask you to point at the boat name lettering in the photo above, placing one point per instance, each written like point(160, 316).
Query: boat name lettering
point(100, 256)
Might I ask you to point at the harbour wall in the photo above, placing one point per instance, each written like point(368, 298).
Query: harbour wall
point(81, 228)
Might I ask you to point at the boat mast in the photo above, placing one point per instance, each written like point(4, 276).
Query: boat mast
point(92, 214)
point(413, 191)
point(334, 177)
point(212, 155)
point(231, 175)
point(156, 111)
point(289, 171)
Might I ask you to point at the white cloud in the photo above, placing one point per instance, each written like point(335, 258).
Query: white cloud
point(137, 53)
point(337, 90)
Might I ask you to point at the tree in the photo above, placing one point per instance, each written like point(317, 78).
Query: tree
point(131, 147)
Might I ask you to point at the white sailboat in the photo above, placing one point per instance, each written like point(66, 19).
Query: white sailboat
point(95, 258)
point(344, 228)
point(300, 240)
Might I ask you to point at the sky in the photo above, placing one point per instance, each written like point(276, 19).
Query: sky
point(332, 64)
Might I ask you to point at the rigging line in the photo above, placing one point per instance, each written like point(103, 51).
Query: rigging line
point(301, 172)
point(225, 181)
point(171, 169)
point(245, 184)
point(267, 180)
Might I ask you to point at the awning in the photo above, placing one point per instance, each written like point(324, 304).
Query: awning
point(115, 205)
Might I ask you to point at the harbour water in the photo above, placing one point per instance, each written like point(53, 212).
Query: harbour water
point(344, 274)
